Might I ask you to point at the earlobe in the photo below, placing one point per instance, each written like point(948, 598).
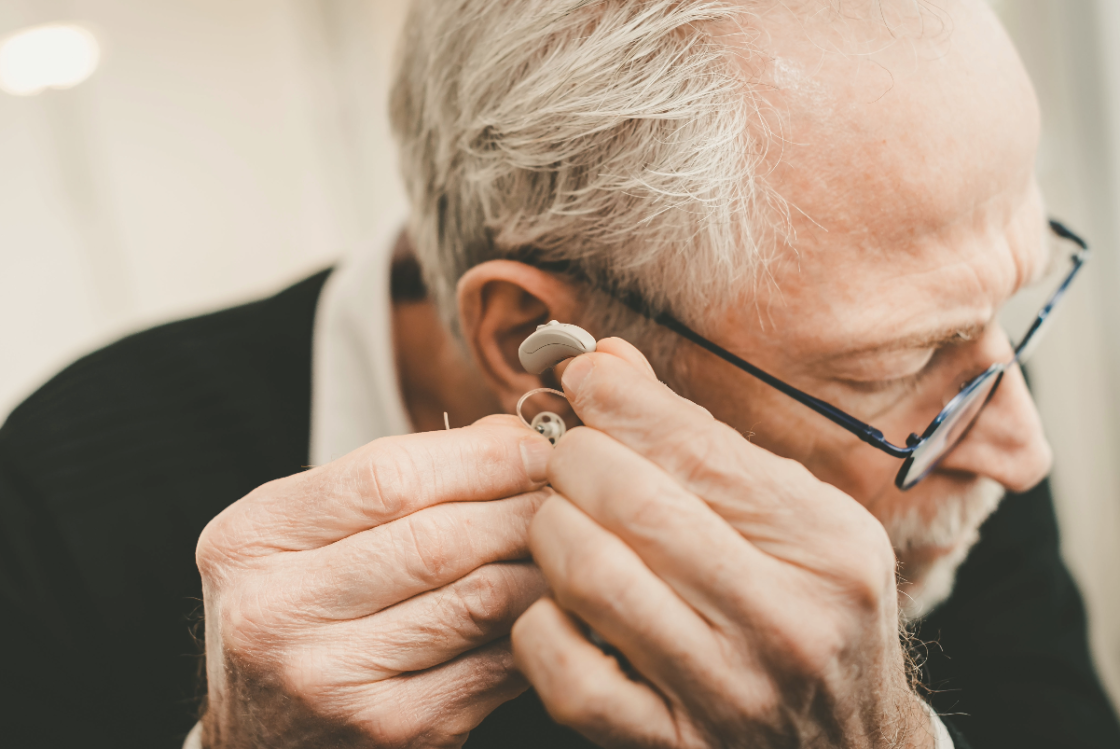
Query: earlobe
point(501, 303)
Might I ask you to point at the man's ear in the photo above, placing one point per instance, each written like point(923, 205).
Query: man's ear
point(501, 302)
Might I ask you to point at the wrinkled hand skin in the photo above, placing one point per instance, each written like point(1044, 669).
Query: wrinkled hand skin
point(368, 602)
point(755, 605)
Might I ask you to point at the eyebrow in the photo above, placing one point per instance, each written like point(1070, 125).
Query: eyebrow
point(917, 341)
point(1052, 259)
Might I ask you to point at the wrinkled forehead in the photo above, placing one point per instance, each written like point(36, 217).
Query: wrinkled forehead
point(915, 124)
point(904, 144)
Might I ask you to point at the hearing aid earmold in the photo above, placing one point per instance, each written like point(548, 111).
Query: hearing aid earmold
point(546, 347)
point(546, 423)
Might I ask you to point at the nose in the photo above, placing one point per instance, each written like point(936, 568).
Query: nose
point(1006, 443)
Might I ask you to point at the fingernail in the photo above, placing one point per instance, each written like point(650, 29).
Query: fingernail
point(576, 373)
point(535, 452)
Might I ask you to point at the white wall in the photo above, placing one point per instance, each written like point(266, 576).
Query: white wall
point(226, 148)
point(222, 150)
point(1066, 47)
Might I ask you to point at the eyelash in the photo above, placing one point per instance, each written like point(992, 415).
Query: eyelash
point(909, 383)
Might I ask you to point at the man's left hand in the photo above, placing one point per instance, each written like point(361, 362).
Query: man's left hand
point(752, 604)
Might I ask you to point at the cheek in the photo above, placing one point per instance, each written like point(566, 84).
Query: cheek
point(783, 426)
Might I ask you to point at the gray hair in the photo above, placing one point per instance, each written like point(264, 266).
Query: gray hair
point(619, 136)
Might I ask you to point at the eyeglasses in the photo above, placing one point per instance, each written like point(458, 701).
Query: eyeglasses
point(921, 454)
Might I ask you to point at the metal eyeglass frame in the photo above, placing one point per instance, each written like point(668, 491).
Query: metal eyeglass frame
point(946, 430)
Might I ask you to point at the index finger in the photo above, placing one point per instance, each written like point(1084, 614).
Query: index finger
point(747, 485)
point(495, 458)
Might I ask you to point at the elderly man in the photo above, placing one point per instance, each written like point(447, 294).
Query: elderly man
point(798, 219)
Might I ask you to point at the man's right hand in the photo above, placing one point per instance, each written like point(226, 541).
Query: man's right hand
point(369, 601)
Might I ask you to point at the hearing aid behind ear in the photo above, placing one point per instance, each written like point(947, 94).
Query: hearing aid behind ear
point(553, 343)
point(546, 347)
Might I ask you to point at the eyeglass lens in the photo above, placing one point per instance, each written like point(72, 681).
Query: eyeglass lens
point(955, 423)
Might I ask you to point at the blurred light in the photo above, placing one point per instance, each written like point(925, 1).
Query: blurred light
point(51, 56)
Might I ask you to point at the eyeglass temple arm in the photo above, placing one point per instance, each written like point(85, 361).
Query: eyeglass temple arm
point(865, 432)
point(1065, 232)
point(1078, 261)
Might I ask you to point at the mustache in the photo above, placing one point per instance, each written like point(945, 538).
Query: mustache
point(946, 520)
point(950, 521)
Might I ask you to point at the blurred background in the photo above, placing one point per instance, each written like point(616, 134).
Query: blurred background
point(161, 158)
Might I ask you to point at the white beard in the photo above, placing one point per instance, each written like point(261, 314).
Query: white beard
point(955, 523)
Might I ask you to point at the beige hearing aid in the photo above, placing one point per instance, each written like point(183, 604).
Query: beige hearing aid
point(546, 347)
point(553, 343)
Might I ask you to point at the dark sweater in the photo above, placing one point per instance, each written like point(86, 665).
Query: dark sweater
point(110, 471)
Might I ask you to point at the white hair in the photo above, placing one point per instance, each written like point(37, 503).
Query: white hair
point(619, 136)
point(952, 522)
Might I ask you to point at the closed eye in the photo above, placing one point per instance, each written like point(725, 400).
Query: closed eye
point(903, 385)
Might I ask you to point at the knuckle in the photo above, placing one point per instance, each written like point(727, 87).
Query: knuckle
point(761, 697)
point(390, 718)
point(223, 539)
point(483, 603)
point(433, 550)
point(693, 450)
point(868, 572)
point(864, 593)
point(821, 654)
point(212, 551)
point(491, 449)
point(401, 730)
point(394, 474)
point(249, 622)
point(455, 730)
point(392, 728)
point(381, 474)
point(308, 674)
point(659, 510)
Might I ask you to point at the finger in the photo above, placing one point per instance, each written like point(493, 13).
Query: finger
point(675, 534)
point(434, 627)
point(385, 480)
point(440, 706)
point(369, 571)
point(623, 350)
point(596, 576)
point(583, 688)
point(754, 489)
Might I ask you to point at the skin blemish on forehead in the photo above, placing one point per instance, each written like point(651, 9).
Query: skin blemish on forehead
point(789, 76)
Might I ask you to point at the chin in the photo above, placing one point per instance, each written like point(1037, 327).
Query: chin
point(932, 538)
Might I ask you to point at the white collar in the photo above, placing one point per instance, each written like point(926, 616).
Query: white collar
point(355, 395)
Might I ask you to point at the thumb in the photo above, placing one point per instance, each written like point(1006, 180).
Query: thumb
point(620, 348)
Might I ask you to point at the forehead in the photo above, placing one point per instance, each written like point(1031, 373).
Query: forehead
point(907, 167)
